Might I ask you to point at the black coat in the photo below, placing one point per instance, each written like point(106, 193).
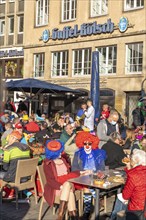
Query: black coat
point(115, 154)
point(138, 118)
point(41, 135)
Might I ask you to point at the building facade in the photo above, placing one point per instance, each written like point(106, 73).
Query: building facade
point(60, 36)
point(11, 38)
point(11, 43)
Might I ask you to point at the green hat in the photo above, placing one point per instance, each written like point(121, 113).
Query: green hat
point(139, 104)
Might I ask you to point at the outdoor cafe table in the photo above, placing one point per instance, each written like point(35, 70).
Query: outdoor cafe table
point(88, 182)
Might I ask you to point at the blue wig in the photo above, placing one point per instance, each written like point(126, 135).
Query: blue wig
point(52, 155)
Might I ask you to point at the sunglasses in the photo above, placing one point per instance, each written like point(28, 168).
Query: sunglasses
point(87, 143)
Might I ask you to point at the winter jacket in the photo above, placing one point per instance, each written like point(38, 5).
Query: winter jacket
point(70, 148)
point(79, 159)
point(135, 188)
point(52, 180)
point(1, 127)
point(65, 137)
point(102, 132)
point(115, 154)
point(41, 135)
point(4, 119)
point(138, 118)
point(13, 153)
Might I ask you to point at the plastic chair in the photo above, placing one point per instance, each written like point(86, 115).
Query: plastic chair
point(25, 168)
point(78, 194)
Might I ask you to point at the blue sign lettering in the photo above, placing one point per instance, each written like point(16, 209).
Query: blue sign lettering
point(45, 35)
point(123, 24)
point(11, 53)
point(86, 29)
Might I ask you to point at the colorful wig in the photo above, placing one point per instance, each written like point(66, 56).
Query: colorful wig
point(84, 136)
point(53, 149)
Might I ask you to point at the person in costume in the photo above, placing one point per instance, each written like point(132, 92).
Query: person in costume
point(88, 158)
point(89, 115)
point(57, 172)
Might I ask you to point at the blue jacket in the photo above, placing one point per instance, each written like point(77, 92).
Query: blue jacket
point(80, 112)
point(79, 160)
point(1, 128)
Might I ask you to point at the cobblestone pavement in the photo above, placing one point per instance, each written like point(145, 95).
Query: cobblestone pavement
point(30, 211)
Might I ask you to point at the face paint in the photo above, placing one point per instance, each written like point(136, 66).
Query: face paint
point(87, 147)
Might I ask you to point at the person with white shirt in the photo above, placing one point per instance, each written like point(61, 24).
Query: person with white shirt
point(89, 115)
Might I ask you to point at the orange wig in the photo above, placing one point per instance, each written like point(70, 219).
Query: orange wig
point(84, 136)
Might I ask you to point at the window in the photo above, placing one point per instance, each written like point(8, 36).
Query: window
point(69, 8)
point(133, 4)
point(81, 62)
point(39, 61)
point(42, 12)
point(2, 1)
point(2, 26)
point(13, 68)
point(21, 6)
point(134, 57)
point(59, 63)
point(11, 25)
point(99, 7)
point(20, 24)
point(107, 59)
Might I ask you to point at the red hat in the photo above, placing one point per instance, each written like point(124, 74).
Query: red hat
point(54, 145)
point(16, 135)
point(32, 127)
point(84, 136)
point(18, 126)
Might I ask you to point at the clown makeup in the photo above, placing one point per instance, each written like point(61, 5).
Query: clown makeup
point(87, 147)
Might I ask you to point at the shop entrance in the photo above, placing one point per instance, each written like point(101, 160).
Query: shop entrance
point(132, 99)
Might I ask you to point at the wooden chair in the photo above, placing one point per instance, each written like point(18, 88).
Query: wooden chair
point(78, 194)
point(25, 168)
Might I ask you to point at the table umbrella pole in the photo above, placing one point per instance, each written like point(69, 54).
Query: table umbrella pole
point(30, 107)
point(30, 102)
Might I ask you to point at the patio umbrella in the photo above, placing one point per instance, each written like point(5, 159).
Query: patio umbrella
point(35, 87)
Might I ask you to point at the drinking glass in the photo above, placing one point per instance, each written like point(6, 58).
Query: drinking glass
point(107, 170)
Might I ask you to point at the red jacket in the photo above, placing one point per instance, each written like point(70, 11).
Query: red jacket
point(53, 183)
point(135, 188)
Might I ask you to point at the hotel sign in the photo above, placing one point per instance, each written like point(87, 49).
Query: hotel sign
point(86, 29)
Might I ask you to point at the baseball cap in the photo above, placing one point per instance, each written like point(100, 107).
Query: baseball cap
point(18, 126)
point(25, 118)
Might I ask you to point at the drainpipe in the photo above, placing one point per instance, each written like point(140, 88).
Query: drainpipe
point(143, 94)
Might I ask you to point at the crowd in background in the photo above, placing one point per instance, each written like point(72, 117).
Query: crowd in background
point(24, 136)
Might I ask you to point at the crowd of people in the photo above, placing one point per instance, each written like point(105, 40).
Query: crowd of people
point(70, 146)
